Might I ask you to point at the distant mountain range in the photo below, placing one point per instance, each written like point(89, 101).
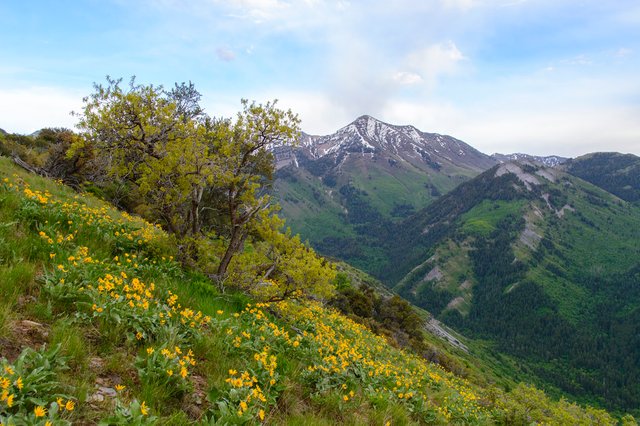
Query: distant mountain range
point(332, 187)
point(617, 173)
point(540, 262)
point(539, 256)
point(370, 172)
point(547, 161)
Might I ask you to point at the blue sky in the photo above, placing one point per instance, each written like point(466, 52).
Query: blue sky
point(537, 76)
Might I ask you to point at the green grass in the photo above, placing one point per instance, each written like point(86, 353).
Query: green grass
point(99, 338)
point(484, 217)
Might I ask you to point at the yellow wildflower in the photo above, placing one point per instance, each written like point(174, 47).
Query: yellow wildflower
point(70, 405)
point(120, 388)
point(144, 409)
point(39, 411)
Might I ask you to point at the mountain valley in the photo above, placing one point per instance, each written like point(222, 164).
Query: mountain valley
point(535, 255)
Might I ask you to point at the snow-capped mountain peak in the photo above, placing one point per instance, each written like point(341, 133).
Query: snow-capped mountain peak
point(370, 137)
point(547, 161)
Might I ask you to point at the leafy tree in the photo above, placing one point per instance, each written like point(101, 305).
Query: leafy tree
point(193, 173)
point(289, 268)
point(247, 165)
point(156, 140)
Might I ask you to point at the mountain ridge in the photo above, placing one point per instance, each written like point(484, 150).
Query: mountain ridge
point(368, 135)
point(543, 160)
point(534, 260)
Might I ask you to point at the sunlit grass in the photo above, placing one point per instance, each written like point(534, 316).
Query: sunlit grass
point(116, 306)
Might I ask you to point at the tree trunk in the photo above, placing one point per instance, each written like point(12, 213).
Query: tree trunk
point(235, 245)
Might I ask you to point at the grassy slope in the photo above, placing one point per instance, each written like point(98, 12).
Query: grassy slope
point(587, 246)
point(100, 286)
point(617, 173)
point(317, 211)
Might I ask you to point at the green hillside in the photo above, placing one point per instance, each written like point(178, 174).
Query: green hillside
point(339, 220)
point(99, 324)
point(614, 172)
point(547, 271)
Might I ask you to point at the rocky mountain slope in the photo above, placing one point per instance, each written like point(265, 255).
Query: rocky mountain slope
point(547, 161)
point(333, 187)
point(539, 262)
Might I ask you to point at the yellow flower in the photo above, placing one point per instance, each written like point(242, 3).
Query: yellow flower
point(9, 370)
point(10, 400)
point(170, 372)
point(39, 411)
point(120, 387)
point(243, 405)
point(149, 351)
point(261, 414)
point(345, 397)
point(144, 409)
point(219, 312)
point(19, 384)
point(48, 423)
point(70, 405)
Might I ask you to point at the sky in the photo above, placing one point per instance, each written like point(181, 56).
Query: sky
point(536, 76)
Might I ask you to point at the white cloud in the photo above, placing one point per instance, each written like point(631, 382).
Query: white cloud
point(407, 77)
point(225, 54)
point(623, 52)
point(29, 109)
point(581, 59)
point(553, 131)
point(463, 5)
point(260, 10)
point(435, 61)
